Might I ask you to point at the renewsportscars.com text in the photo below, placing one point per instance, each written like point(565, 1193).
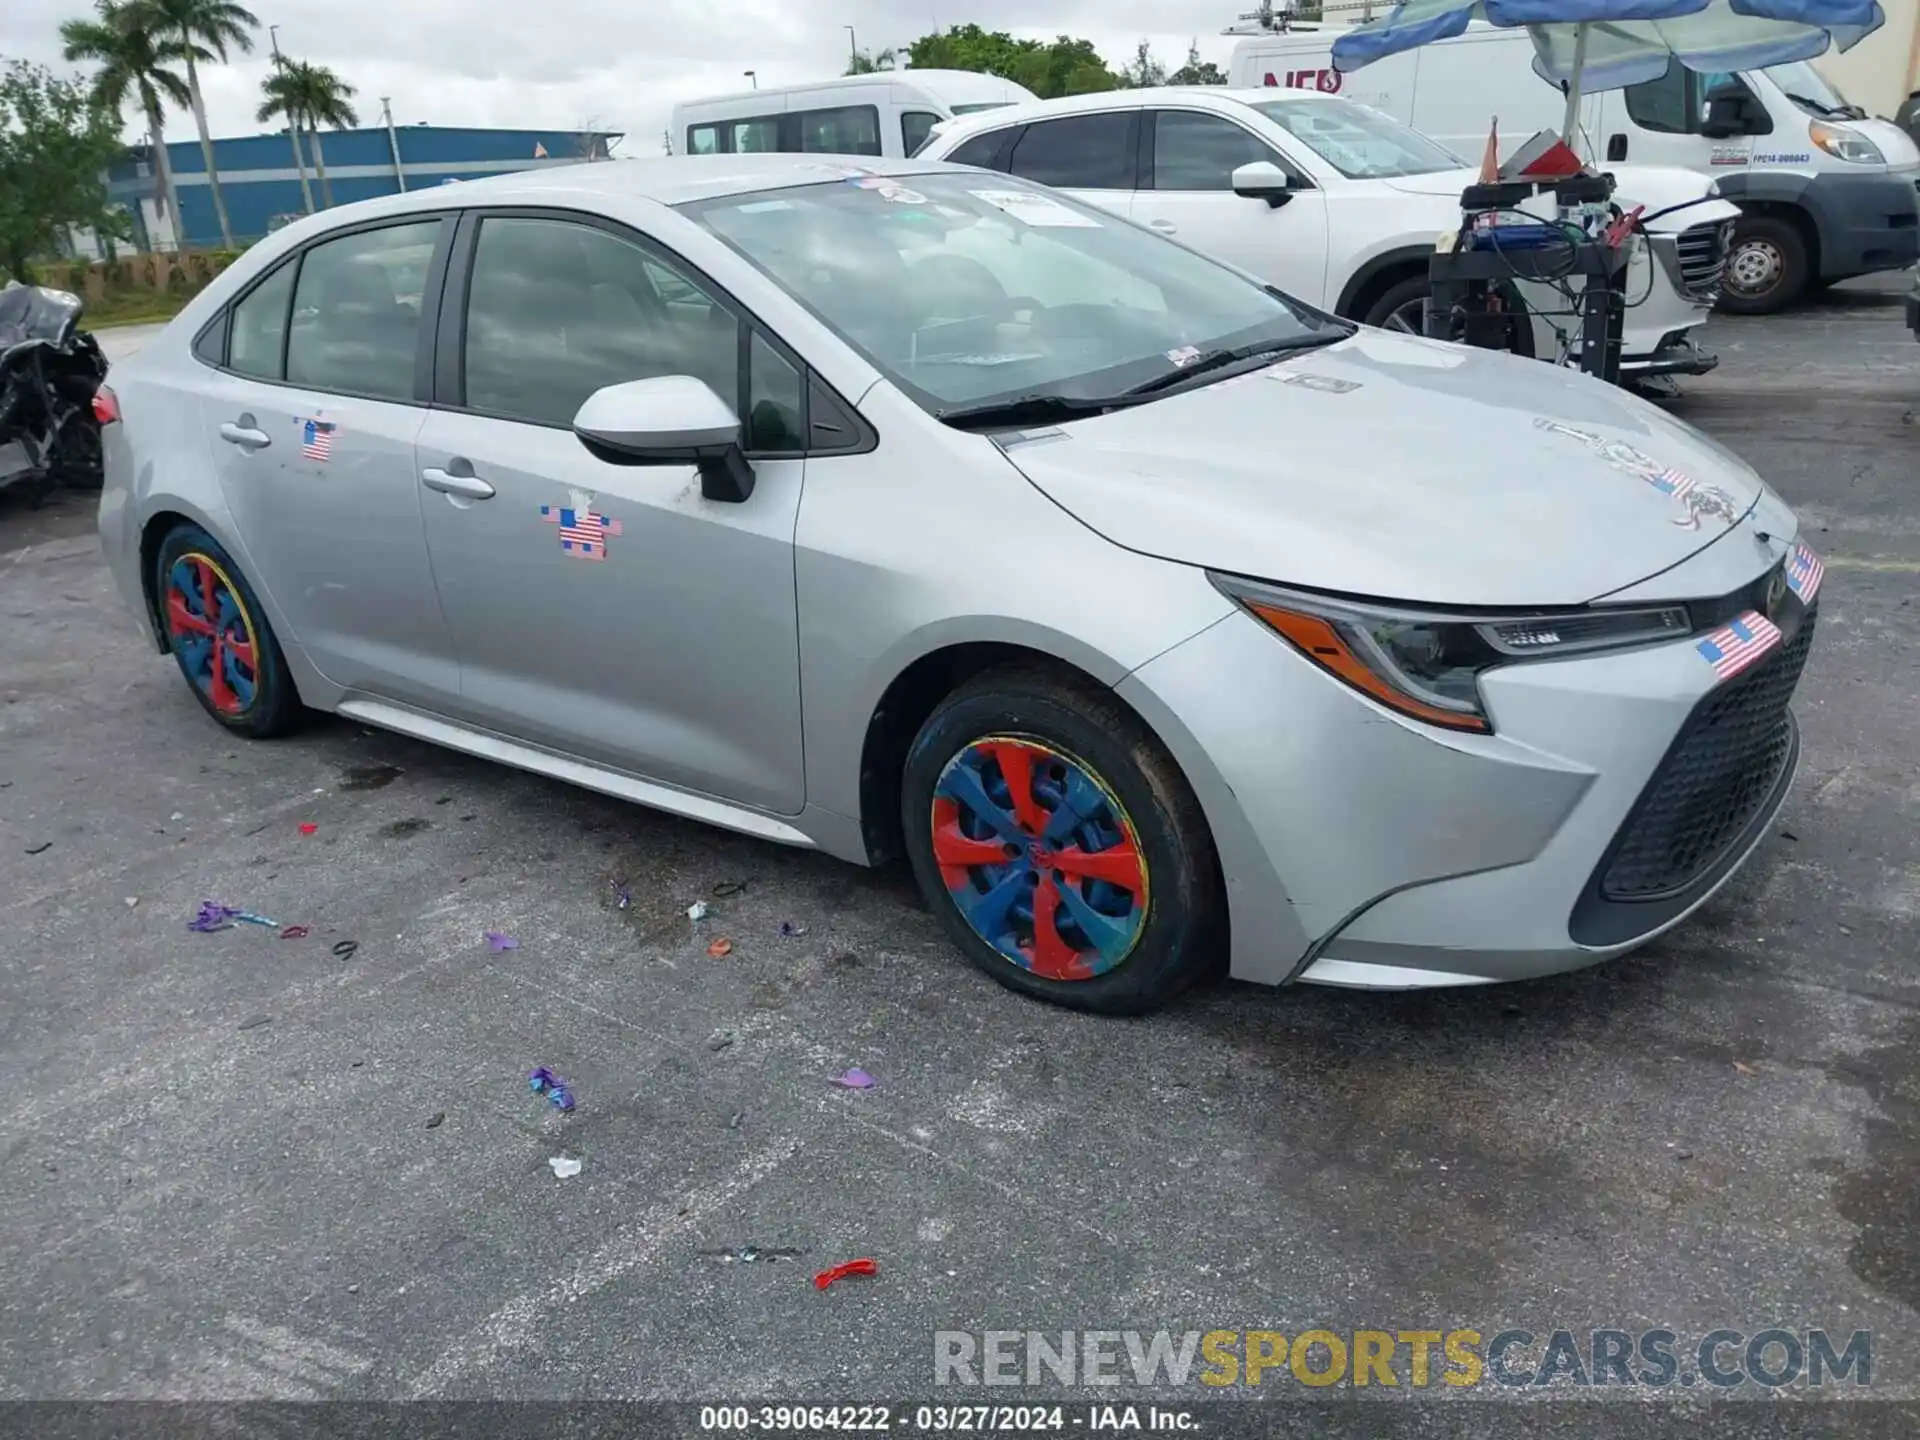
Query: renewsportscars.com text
point(1725, 1359)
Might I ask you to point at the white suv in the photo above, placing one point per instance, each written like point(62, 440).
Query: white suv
point(1354, 225)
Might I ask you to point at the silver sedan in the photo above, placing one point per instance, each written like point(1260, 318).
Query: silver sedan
point(1162, 622)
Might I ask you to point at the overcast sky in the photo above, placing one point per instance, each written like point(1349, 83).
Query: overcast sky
point(619, 64)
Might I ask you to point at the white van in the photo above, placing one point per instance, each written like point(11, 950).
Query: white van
point(1826, 193)
point(887, 113)
point(1349, 220)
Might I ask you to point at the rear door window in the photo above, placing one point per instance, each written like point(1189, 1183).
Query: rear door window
point(1079, 152)
point(356, 311)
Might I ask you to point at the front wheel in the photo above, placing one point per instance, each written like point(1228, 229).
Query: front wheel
point(1766, 268)
point(1060, 846)
point(1403, 309)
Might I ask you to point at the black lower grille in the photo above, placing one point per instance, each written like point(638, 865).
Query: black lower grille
point(1724, 766)
point(1703, 260)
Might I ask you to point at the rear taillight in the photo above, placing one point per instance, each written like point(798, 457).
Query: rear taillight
point(106, 406)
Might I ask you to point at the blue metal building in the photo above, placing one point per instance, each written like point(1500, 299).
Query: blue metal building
point(259, 180)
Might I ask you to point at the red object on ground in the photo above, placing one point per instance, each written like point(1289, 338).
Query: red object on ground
point(307, 827)
point(840, 1272)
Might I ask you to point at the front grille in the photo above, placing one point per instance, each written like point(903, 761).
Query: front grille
point(1721, 770)
point(1703, 260)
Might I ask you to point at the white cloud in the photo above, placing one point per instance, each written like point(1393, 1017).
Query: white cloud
point(620, 64)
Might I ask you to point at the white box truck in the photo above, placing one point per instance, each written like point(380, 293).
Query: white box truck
point(1825, 191)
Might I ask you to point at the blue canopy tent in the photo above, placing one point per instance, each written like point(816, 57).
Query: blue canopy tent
point(1589, 45)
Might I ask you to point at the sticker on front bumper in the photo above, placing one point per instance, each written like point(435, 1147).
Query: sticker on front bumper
point(1739, 644)
point(1804, 573)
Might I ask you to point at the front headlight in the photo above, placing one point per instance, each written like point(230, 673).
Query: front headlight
point(1428, 665)
point(1843, 142)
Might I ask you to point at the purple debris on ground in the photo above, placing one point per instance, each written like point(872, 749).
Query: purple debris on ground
point(497, 942)
point(854, 1079)
point(212, 916)
point(789, 929)
point(544, 1082)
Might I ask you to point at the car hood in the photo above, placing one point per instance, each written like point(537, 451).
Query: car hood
point(1393, 467)
point(1657, 187)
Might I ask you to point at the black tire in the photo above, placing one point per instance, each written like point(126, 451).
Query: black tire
point(1177, 929)
point(81, 465)
point(1401, 308)
point(1766, 266)
point(273, 708)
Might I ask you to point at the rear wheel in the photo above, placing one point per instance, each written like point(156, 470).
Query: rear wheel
point(1766, 268)
point(80, 465)
point(220, 636)
point(1060, 845)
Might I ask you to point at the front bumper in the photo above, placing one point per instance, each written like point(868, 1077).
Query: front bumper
point(1401, 857)
point(1868, 223)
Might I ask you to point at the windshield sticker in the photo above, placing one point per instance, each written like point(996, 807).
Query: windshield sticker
point(887, 189)
point(583, 531)
point(1738, 644)
point(1040, 211)
point(1804, 573)
point(1184, 356)
point(1325, 384)
point(1696, 501)
point(763, 207)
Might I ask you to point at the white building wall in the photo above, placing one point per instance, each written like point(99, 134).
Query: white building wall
point(1883, 69)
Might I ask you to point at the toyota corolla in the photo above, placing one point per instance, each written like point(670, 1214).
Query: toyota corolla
point(1162, 622)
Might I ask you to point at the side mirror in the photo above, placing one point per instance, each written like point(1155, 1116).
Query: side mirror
point(1263, 180)
point(668, 420)
point(1731, 110)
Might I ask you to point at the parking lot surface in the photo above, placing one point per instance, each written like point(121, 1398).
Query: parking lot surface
point(246, 1166)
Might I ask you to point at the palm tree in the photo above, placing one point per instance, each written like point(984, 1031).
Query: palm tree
point(135, 59)
point(282, 102)
point(316, 96)
point(204, 30)
point(865, 63)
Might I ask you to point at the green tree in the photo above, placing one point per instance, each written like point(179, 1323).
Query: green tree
point(275, 107)
point(310, 95)
point(136, 61)
point(56, 143)
point(205, 30)
point(1065, 67)
point(868, 63)
point(1196, 71)
point(1144, 72)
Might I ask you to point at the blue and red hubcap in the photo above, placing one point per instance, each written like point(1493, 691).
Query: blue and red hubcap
point(212, 633)
point(1040, 857)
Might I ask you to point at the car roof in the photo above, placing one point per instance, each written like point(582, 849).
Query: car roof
point(959, 85)
point(666, 180)
point(1026, 111)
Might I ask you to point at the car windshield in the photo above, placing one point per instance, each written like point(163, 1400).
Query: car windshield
point(1359, 142)
point(966, 289)
point(1809, 89)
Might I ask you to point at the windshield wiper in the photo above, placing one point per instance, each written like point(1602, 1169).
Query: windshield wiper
point(1220, 359)
point(1816, 106)
point(1029, 410)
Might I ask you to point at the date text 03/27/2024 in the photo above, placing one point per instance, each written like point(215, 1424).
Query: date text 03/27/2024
point(942, 1419)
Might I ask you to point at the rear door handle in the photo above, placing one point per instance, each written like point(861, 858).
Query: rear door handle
point(446, 482)
point(1165, 227)
point(245, 434)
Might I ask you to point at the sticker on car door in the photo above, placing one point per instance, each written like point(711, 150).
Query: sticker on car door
point(583, 530)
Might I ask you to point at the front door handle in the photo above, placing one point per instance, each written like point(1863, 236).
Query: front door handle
point(1165, 227)
point(245, 434)
point(470, 486)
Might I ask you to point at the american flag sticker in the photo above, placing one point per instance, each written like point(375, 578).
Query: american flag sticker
point(1804, 573)
point(316, 439)
point(583, 530)
point(1735, 646)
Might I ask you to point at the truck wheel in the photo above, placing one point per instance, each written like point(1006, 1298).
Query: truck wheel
point(1767, 267)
